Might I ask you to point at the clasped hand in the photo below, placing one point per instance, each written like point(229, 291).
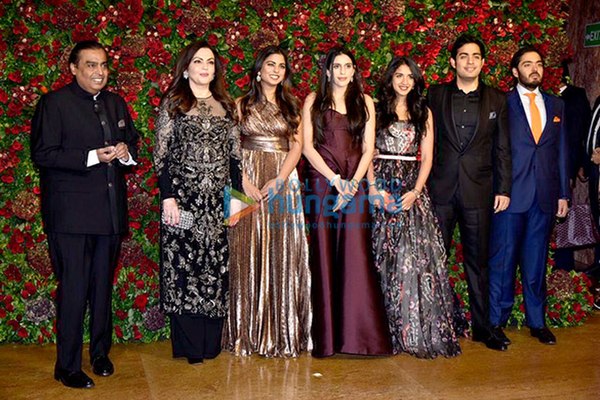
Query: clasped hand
point(346, 191)
point(109, 153)
point(268, 191)
point(383, 199)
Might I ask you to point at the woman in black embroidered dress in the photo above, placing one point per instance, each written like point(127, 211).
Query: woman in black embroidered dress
point(196, 156)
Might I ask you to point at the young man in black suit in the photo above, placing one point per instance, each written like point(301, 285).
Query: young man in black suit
point(82, 140)
point(471, 173)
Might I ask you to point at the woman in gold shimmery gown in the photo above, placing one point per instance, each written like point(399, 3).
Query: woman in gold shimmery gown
point(270, 310)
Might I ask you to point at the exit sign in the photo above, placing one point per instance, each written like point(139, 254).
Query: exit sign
point(592, 35)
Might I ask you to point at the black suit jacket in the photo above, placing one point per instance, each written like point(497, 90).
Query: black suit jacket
point(578, 115)
point(65, 127)
point(592, 170)
point(483, 167)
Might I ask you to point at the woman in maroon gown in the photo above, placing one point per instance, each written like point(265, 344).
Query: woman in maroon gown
point(339, 134)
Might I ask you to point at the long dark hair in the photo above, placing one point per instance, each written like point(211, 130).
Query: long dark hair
point(356, 109)
point(179, 96)
point(287, 102)
point(415, 101)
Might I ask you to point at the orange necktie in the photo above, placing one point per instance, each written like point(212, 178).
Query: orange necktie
point(536, 119)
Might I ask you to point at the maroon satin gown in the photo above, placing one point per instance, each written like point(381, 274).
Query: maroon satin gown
point(348, 309)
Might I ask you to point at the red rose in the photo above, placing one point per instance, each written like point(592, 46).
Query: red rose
point(8, 178)
point(118, 331)
point(22, 332)
point(212, 40)
point(121, 314)
point(135, 224)
point(15, 76)
point(557, 306)
point(137, 335)
point(237, 68)
point(140, 302)
point(242, 82)
point(30, 287)
point(577, 307)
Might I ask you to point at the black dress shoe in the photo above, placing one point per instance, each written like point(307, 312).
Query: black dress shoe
point(490, 341)
point(544, 335)
point(102, 366)
point(73, 379)
point(499, 334)
point(195, 360)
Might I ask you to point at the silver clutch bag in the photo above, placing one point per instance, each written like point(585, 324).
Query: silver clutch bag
point(186, 220)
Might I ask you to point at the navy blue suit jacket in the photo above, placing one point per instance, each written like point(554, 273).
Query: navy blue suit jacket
point(538, 169)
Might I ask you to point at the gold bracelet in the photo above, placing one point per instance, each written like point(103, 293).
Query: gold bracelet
point(416, 192)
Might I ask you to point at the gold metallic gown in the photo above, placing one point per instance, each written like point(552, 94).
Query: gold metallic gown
point(270, 310)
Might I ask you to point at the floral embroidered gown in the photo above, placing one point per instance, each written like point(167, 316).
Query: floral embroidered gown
point(196, 156)
point(409, 255)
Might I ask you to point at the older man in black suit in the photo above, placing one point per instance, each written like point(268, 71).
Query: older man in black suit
point(82, 139)
point(471, 172)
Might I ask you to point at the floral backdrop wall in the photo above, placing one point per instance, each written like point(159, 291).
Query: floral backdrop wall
point(143, 39)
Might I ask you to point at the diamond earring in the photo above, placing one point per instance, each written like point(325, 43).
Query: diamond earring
point(185, 75)
point(258, 77)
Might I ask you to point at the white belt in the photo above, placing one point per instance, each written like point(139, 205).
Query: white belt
point(396, 157)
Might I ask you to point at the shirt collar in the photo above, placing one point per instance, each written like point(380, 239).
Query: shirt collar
point(523, 90)
point(79, 92)
point(456, 90)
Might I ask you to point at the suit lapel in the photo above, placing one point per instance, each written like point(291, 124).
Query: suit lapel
point(548, 103)
point(514, 102)
point(484, 108)
point(449, 117)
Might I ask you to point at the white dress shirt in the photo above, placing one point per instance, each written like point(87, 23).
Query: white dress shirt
point(593, 132)
point(539, 101)
point(92, 158)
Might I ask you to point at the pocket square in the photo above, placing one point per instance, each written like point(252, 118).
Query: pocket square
point(492, 115)
point(121, 124)
point(556, 120)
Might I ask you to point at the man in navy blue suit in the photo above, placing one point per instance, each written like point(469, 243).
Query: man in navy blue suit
point(540, 191)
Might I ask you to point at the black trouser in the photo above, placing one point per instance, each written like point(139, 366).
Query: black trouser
point(196, 336)
point(474, 226)
point(84, 266)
